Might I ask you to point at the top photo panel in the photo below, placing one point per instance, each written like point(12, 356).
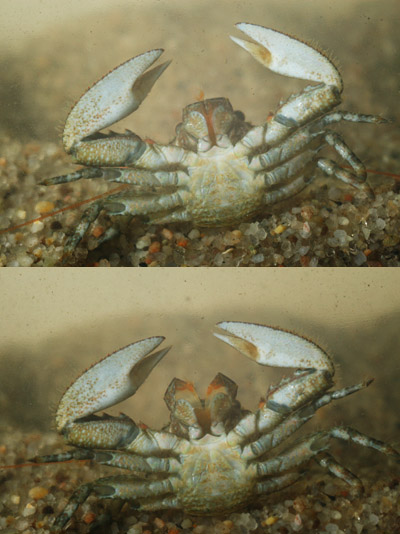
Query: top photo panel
point(200, 134)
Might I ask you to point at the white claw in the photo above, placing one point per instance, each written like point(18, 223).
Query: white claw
point(273, 347)
point(110, 381)
point(288, 56)
point(113, 97)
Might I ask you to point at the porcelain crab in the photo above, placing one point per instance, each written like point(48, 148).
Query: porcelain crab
point(214, 456)
point(219, 169)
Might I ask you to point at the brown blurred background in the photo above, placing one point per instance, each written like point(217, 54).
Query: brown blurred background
point(51, 51)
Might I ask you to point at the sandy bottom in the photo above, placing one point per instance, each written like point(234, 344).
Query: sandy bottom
point(30, 497)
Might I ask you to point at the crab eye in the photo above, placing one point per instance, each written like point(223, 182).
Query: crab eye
point(196, 124)
point(240, 116)
point(222, 120)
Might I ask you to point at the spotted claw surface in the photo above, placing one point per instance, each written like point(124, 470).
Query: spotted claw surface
point(273, 347)
point(110, 381)
point(113, 97)
point(288, 56)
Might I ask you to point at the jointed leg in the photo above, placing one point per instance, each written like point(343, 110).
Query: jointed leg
point(277, 483)
point(116, 487)
point(138, 177)
point(283, 173)
point(316, 443)
point(294, 421)
point(327, 461)
point(280, 404)
point(119, 204)
point(287, 191)
point(331, 168)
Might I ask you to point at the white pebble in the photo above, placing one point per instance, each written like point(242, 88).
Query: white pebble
point(332, 528)
point(194, 234)
point(380, 224)
point(143, 242)
point(37, 226)
point(24, 260)
point(373, 519)
point(360, 258)
point(258, 258)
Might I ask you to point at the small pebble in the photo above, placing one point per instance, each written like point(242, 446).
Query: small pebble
point(186, 523)
point(143, 242)
point(194, 234)
point(270, 520)
point(89, 517)
point(159, 523)
point(44, 206)
point(37, 226)
point(279, 229)
point(28, 510)
point(167, 234)
point(38, 492)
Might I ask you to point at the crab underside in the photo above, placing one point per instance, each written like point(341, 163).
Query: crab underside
point(219, 169)
point(214, 457)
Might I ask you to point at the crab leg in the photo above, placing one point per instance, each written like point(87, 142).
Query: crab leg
point(119, 204)
point(117, 487)
point(277, 348)
point(327, 461)
point(284, 172)
point(312, 445)
point(274, 438)
point(277, 483)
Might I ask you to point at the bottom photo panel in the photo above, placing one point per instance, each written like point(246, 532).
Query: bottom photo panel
point(200, 401)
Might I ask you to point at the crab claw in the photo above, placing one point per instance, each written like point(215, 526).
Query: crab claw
point(273, 347)
point(288, 56)
point(110, 381)
point(113, 97)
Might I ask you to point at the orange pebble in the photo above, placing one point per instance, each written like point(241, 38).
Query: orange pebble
point(155, 247)
point(97, 231)
point(305, 261)
point(89, 517)
point(182, 243)
point(44, 206)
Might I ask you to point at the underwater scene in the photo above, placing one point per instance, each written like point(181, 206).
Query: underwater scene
point(213, 191)
point(293, 428)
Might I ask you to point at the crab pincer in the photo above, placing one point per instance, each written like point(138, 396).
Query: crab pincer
point(108, 382)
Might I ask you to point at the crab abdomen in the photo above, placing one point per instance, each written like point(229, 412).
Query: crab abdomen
point(214, 479)
point(224, 192)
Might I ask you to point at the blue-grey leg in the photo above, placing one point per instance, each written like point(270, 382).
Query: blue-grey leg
point(116, 487)
point(287, 190)
point(277, 483)
point(327, 461)
point(309, 447)
point(294, 421)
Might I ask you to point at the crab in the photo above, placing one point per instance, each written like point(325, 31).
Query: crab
point(219, 170)
point(214, 457)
